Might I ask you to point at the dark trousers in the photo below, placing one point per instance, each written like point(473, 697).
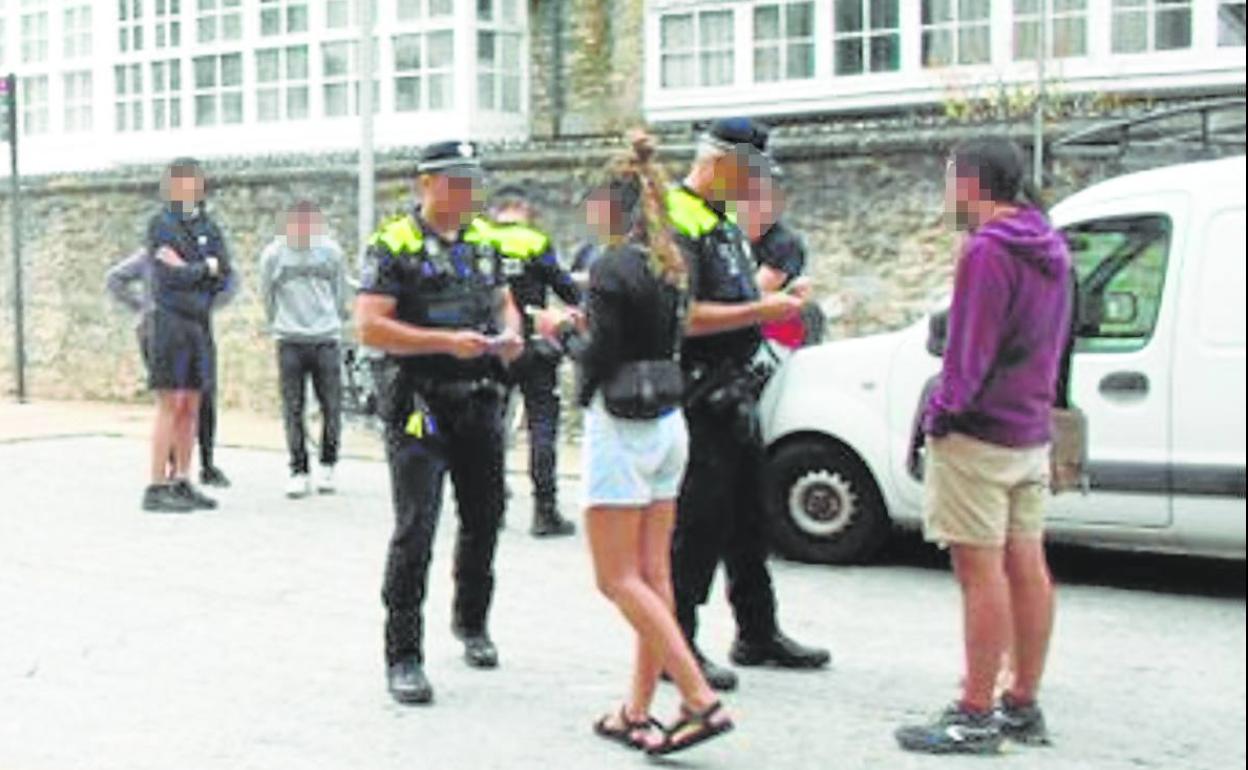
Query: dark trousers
point(720, 518)
point(537, 376)
point(322, 362)
point(466, 440)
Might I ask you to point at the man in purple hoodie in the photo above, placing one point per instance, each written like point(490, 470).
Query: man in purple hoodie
point(989, 426)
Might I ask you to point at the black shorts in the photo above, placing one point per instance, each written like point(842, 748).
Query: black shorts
point(179, 353)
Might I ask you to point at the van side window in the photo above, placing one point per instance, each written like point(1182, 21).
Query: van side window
point(1121, 264)
point(1222, 282)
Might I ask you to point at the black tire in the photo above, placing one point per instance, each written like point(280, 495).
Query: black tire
point(823, 504)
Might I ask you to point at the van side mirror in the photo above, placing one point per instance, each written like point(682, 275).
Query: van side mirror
point(1120, 308)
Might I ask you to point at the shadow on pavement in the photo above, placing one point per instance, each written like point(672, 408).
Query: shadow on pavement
point(1075, 565)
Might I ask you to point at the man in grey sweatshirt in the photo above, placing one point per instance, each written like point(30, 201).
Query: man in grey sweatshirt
point(304, 285)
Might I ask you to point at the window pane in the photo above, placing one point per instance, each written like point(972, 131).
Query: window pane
point(801, 61)
point(268, 105)
point(297, 103)
point(336, 100)
point(441, 49)
point(848, 16)
point(937, 11)
point(440, 7)
point(205, 110)
point(767, 22)
point(1130, 32)
point(409, 9)
point(407, 52)
point(766, 63)
point(799, 20)
point(1026, 7)
point(407, 94)
point(974, 10)
point(440, 92)
point(158, 114)
point(297, 18)
point(175, 34)
point(849, 56)
point(676, 33)
point(1174, 29)
point(175, 113)
point(205, 30)
point(511, 53)
point(232, 70)
point(974, 45)
point(1231, 24)
point(233, 27)
point(334, 60)
point(175, 75)
point(1026, 40)
point(268, 66)
point(511, 93)
point(232, 107)
point(716, 29)
point(678, 71)
point(886, 53)
point(297, 63)
point(485, 10)
point(270, 22)
point(717, 68)
point(885, 14)
point(937, 48)
point(485, 49)
point(485, 91)
point(1070, 37)
point(205, 72)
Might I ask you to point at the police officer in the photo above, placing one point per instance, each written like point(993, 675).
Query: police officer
point(434, 299)
point(533, 271)
point(719, 512)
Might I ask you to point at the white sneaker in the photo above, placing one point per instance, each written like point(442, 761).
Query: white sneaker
point(325, 480)
point(298, 486)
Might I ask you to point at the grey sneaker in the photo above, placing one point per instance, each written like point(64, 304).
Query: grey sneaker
point(1022, 724)
point(956, 731)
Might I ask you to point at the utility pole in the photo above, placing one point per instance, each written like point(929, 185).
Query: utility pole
point(367, 184)
point(1037, 141)
point(8, 129)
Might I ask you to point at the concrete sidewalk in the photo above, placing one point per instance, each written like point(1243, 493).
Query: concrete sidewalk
point(235, 429)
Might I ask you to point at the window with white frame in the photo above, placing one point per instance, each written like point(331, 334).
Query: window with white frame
point(784, 41)
point(956, 32)
point(1140, 26)
point(218, 20)
point(866, 36)
point(501, 11)
point(1231, 23)
point(341, 14)
point(278, 17)
point(130, 25)
point(1067, 29)
point(218, 89)
point(128, 97)
point(167, 94)
point(167, 28)
point(34, 32)
point(498, 71)
point(423, 64)
point(282, 88)
point(696, 49)
point(78, 98)
point(34, 98)
point(76, 28)
point(340, 87)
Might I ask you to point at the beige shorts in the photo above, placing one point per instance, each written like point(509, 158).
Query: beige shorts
point(978, 493)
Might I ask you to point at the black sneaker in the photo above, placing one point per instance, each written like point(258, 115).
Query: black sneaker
point(196, 498)
point(778, 650)
point(956, 731)
point(211, 476)
point(1022, 723)
point(407, 683)
point(163, 498)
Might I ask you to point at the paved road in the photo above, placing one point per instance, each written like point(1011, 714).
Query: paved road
point(250, 638)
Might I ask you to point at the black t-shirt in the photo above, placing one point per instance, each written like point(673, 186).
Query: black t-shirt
point(781, 249)
point(633, 316)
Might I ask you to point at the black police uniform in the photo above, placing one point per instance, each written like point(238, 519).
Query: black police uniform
point(720, 506)
point(442, 415)
point(533, 271)
point(179, 335)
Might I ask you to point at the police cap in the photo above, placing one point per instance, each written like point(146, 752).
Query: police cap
point(450, 159)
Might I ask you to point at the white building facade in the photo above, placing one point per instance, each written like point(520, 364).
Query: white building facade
point(109, 82)
point(774, 57)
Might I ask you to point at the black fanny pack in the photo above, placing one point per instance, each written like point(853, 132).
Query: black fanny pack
point(644, 390)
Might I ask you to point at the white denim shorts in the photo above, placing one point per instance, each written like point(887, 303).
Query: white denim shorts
point(632, 463)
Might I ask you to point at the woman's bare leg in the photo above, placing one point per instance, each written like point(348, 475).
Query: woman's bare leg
point(656, 570)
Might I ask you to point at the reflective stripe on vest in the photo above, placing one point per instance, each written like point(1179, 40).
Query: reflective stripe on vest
point(400, 235)
point(690, 215)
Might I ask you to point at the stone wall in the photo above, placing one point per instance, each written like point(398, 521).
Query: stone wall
point(866, 196)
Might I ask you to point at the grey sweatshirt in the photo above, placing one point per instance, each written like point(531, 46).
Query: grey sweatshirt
point(305, 291)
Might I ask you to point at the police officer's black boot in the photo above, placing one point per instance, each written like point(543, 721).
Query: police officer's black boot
point(548, 522)
point(719, 678)
point(479, 650)
point(408, 684)
point(778, 650)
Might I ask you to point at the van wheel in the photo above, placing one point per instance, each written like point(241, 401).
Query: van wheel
point(823, 504)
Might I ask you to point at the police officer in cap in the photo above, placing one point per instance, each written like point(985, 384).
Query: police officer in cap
point(532, 267)
point(433, 297)
point(719, 511)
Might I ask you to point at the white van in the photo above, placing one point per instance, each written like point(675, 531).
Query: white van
point(1158, 369)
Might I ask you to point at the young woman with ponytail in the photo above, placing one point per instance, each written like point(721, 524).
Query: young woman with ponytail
point(633, 466)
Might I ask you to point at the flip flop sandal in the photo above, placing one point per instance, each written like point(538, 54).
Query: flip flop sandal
point(693, 728)
point(625, 734)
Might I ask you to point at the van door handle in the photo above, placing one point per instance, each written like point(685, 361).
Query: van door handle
point(1133, 384)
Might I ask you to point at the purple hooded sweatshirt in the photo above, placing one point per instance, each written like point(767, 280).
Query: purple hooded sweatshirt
point(1008, 328)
